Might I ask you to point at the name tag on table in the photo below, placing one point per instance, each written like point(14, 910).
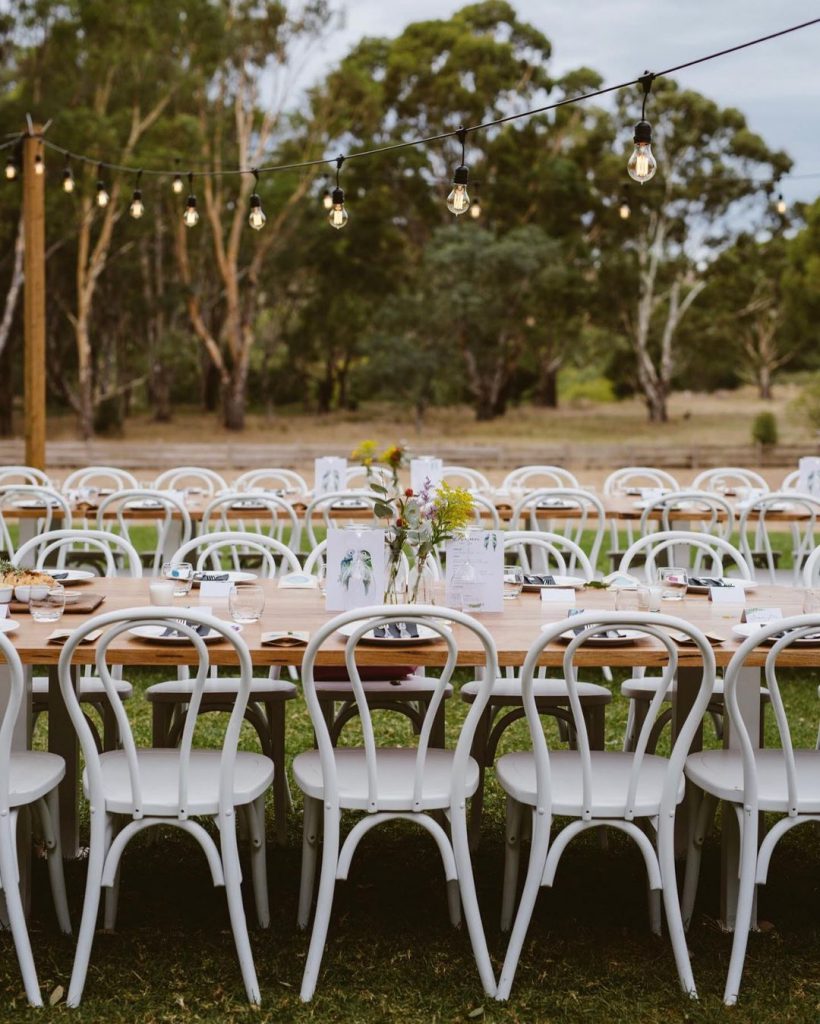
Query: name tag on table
point(214, 589)
point(762, 615)
point(298, 581)
point(727, 595)
point(558, 595)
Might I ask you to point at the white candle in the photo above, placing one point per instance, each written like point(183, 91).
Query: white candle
point(161, 592)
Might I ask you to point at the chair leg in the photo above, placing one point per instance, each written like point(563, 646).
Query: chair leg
point(236, 911)
point(479, 754)
point(454, 903)
point(629, 731)
point(112, 892)
point(324, 903)
point(703, 813)
point(674, 921)
point(512, 858)
point(745, 905)
point(310, 842)
point(91, 904)
point(469, 900)
point(276, 717)
point(49, 808)
point(16, 913)
point(256, 827)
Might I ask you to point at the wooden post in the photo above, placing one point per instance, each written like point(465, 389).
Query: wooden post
point(34, 306)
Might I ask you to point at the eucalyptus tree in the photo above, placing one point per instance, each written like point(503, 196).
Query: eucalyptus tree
point(801, 287)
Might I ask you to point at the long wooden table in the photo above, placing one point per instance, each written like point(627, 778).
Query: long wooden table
point(514, 630)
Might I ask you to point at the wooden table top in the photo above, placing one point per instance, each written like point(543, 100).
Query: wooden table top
point(513, 630)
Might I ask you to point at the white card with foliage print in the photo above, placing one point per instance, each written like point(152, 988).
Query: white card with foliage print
point(356, 569)
point(475, 572)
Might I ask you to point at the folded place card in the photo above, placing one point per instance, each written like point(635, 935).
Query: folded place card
point(424, 468)
point(61, 636)
point(809, 475)
point(330, 475)
point(727, 595)
point(298, 581)
point(762, 615)
point(558, 595)
point(214, 589)
point(285, 638)
point(356, 569)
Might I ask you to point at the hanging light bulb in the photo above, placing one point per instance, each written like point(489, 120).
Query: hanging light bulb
point(256, 217)
point(458, 201)
point(190, 217)
point(176, 185)
point(642, 164)
point(11, 169)
point(624, 210)
point(103, 197)
point(337, 217)
point(780, 205)
point(475, 209)
point(137, 207)
point(39, 164)
point(327, 200)
point(68, 178)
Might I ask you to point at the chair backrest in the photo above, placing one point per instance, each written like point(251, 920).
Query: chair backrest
point(707, 512)
point(100, 476)
point(684, 548)
point(811, 569)
point(196, 477)
point(559, 552)
point(761, 513)
point(485, 514)
point(11, 712)
point(160, 507)
point(629, 477)
point(114, 624)
point(23, 475)
point(784, 632)
point(729, 478)
point(268, 514)
point(439, 621)
point(596, 623)
point(791, 481)
point(325, 505)
point(58, 543)
point(464, 476)
point(287, 480)
point(569, 511)
point(360, 477)
point(539, 476)
point(208, 550)
point(35, 496)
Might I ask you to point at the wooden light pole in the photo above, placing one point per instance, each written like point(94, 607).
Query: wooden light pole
point(34, 304)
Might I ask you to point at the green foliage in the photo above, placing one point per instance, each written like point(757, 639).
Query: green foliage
point(807, 404)
point(584, 385)
point(764, 429)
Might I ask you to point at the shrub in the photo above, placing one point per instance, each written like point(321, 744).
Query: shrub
point(764, 429)
point(808, 403)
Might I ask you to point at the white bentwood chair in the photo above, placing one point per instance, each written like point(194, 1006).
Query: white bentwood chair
point(266, 513)
point(136, 788)
point(464, 476)
point(55, 509)
point(755, 531)
point(168, 514)
point(569, 511)
point(23, 475)
point(635, 792)
point(634, 478)
point(538, 477)
point(100, 477)
point(725, 479)
point(700, 512)
point(28, 778)
point(191, 478)
point(330, 508)
point(781, 780)
point(389, 782)
point(275, 480)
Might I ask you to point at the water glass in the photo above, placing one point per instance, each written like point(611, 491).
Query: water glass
point(649, 598)
point(626, 599)
point(811, 600)
point(513, 581)
point(321, 577)
point(246, 603)
point(48, 607)
point(182, 576)
point(161, 592)
point(673, 583)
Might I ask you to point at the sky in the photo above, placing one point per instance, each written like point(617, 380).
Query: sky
point(776, 84)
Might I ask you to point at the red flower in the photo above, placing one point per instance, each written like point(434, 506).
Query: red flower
point(400, 522)
point(409, 492)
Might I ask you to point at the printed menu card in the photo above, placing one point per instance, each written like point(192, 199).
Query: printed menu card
point(329, 475)
point(475, 572)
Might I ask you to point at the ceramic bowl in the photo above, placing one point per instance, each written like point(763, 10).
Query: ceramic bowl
point(6, 591)
point(24, 592)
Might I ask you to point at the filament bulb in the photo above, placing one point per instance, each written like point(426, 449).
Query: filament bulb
point(327, 200)
point(68, 181)
point(256, 218)
point(191, 215)
point(458, 201)
point(11, 169)
point(176, 185)
point(137, 207)
point(39, 164)
point(103, 198)
point(338, 214)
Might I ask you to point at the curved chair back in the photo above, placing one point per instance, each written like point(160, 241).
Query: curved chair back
point(100, 477)
point(330, 509)
point(629, 477)
point(269, 514)
point(34, 496)
point(538, 477)
point(464, 476)
point(685, 548)
point(582, 628)
point(113, 625)
point(10, 714)
point(729, 478)
point(359, 477)
point(163, 509)
point(196, 477)
point(811, 570)
point(569, 511)
point(791, 481)
point(23, 475)
point(761, 513)
point(275, 480)
point(559, 553)
point(209, 549)
point(58, 543)
point(440, 621)
point(485, 513)
point(707, 512)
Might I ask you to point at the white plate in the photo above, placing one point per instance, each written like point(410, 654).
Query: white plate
point(72, 576)
point(628, 636)
point(426, 636)
point(560, 581)
point(234, 576)
point(8, 625)
point(351, 503)
point(154, 634)
point(746, 629)
point(34, 503)
point(549, 503)
point(148, 503)
point(743, 585)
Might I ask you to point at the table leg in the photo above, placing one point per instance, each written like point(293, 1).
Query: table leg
point(62, 740)
point(21, 740)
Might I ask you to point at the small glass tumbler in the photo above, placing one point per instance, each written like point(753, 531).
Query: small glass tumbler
point(673, 582)
point(246, 604)
point(649, 598)
point(513, 581)
point(182, 576)
point(48, 607)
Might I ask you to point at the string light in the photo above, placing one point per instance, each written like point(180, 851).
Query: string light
point(177, 185)
point(458, 201)
point(642, 164)
point(137, 207)
point(256, 218)
point(68, 178)
point(190, 217)
point(103, 197)
point(338, 214)
point(39, 164)
point(327, 200)
point(624, 210)
point(11, 169)
point(475, 209)
point(780, 205)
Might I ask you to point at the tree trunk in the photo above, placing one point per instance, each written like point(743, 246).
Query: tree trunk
point(547, 393)
point(85, 379)
point(6, 392)
point(234, 397)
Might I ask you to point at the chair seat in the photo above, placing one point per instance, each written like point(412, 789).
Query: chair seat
point(407, 688)
point(610, 781)
point(394, 775)
point(159, 779)
point(180, 690)
point(645, 687)
point(508, 692)
point(721, 772)
point(91, 688)
point(32, 774)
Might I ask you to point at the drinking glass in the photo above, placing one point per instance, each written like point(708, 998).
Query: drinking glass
point(649, 598)
point(246, 603)
point(321, 577)
point(626, 599)
point(513, 581)
point(48, 607)
point(673, 581)
point(182, 576)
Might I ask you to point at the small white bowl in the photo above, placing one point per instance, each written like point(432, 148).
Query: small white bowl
point(26, 591)
point(6, 592)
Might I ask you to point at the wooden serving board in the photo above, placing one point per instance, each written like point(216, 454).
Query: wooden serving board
point(84, 604)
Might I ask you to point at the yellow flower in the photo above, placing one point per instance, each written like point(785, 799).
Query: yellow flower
point(454, 508)
point(393, 456)
point(365, 453)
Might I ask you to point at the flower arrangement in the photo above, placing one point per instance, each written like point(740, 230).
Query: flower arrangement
point(368, 455)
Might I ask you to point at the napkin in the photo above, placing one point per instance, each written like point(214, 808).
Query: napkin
point(288, 638)
point(211, 577)
point(538, 580)
point(61, 636)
